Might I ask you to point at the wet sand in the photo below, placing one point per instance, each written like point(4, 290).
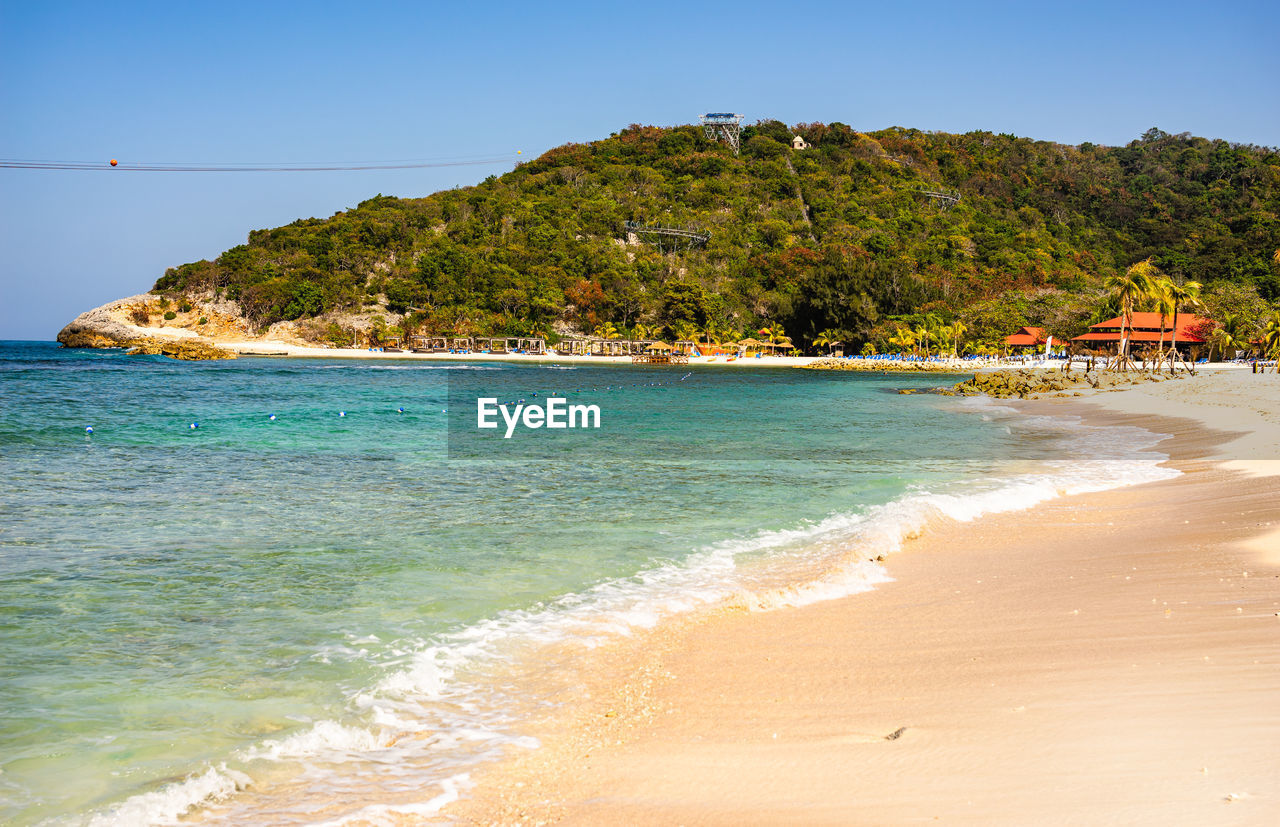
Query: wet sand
point(1104, 658)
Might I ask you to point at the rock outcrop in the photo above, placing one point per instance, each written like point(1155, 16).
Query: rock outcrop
point(185, 349)
point(99, 327)
point(103, 327)
point(1005, 384)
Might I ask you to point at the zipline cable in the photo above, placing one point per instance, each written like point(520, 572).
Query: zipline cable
point(179, 167)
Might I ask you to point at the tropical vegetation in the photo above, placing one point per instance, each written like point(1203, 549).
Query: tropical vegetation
point(842, 241)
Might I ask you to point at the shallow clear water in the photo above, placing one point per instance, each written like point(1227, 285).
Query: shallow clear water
point(280, 601)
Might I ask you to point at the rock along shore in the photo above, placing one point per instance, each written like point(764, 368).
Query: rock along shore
point(1005, 384)
point(183, 349)
point(883, 367)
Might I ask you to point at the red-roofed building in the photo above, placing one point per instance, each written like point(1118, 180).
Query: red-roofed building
point(1027, 337)
point(1146, 329)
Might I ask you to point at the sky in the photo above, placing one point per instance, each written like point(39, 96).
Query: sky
point(232, 82)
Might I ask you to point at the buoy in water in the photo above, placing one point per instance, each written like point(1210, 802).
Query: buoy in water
point(400, 410)
point(342, 413)
point(88, 429)
point(195, 425)
point(272, 417)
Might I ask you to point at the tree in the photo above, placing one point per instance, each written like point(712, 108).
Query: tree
point(1161, 294)
point(1180, 296)
point(827, 338)
point(684, 301)
point(1225, 337)
point(1271, 340)
point(1130, 287)
point(684, 331)
point(904, 339)
point(958, 330)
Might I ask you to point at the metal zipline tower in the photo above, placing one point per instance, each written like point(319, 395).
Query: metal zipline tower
point(724, 126)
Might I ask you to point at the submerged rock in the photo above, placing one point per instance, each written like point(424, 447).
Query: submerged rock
point(180, 349)
point(881, 367)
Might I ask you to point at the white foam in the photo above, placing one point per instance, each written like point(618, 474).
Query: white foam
point(437, 690)
point(380, 814)
point(329, 739)
point(168, 804)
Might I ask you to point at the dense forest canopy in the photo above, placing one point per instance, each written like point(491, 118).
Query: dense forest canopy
point(835, 239)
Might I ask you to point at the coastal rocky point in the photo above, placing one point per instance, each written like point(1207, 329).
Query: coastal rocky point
point(127, 323)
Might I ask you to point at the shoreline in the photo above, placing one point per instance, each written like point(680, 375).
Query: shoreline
point(1011, 674)
point(271, 348)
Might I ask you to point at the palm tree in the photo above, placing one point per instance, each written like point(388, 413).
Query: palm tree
point(684, 331)
point(775, 333)
point(1271, 340)
point(642, 331)
point(1225, 336)
point(1130, 287)
point(1162, 293)
point(711, 334)
point(826, 338)
point(944, 334)
point(1182, 295)
point(904, 339)
point(921, 334)
point(607, 331)
point(958, 330)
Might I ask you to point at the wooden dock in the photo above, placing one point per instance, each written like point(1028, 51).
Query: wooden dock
point(660, 359)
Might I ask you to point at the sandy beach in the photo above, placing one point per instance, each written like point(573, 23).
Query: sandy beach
point(1108, 658)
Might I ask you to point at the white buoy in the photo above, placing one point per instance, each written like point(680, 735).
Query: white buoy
point(88, 429)
point(272, 417)
point(195, 425)
point(400, 410)
point(342, 413)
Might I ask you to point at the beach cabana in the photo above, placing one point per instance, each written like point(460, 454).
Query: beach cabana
point(1146, 329)
point(573, 346)
point(531, 346)
point(1027, 338)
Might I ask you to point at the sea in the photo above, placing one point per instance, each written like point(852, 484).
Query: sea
point(312, 591)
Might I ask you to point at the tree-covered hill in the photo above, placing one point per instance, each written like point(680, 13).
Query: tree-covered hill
point(837, 237)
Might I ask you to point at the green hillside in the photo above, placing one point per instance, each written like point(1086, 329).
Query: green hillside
point(836, 237)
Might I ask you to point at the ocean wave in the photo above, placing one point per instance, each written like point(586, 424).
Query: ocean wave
point(171, 802)
point(437, 707)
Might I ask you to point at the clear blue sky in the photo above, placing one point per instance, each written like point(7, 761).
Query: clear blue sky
point(300, 82)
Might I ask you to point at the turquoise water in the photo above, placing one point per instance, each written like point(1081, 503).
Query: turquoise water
point(324, 601)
